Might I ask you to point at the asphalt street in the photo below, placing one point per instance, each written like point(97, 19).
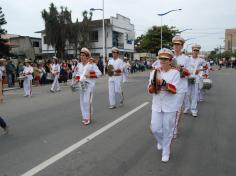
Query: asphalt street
point(49, 123)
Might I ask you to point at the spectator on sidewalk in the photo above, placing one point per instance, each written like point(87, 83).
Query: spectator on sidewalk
point(10, 70)
point(3, 70)
point(1, 89)
point(19, 71)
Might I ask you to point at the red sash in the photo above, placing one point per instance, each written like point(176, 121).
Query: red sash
point(92, 74)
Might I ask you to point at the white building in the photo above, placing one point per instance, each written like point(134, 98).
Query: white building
point(119, 32)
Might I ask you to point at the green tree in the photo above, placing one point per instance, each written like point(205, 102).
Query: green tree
point(151, 41)
point(57, 28)
point(75, 35)
point(4, 48)
point(79, 34)
point(87, 18)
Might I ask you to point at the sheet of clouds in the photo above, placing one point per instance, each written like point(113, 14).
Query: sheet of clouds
point(208, 19)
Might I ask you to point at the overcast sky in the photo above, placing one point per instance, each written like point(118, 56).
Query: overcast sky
point(207, 18)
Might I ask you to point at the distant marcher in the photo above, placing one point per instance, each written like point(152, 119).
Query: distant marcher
point(28, 73)
point(56, 72)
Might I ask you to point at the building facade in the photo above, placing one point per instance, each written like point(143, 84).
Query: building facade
point(24, 46)
point(119, 32)
point(230, 39)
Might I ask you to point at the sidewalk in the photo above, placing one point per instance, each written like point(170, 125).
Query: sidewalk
point(102, 78)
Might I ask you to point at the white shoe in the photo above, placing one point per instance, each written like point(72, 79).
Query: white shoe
point(165, 159)
point(159, 147)
point(194, 114)
point(186, 111)
point(112, 107)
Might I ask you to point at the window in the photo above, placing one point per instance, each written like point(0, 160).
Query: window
point(93, 36)
point(35, 44)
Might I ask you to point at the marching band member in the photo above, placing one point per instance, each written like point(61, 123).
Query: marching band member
point(195, 64)
point(204, 74)
point(163, 84)
point(126, 69)
point(55, 70)
point(90, 73)
point(182, 64)
point(27, 84)
point(115, 71)
point(74, 70)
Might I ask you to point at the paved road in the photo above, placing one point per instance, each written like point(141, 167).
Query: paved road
point(47, 123)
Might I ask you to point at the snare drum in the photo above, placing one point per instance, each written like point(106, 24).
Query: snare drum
point(207, 83)
point(22, 77)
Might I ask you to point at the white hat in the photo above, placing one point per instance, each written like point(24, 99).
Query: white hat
point(114, 49)
point(196, 47)
point(86, 52)
point(2, 60)
point(165, 53)
point(178, 40)
point(27, 61)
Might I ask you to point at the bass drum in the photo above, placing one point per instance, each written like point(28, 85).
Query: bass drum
point(207, 83)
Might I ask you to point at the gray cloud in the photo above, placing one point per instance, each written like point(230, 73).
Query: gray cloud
point(208, 19)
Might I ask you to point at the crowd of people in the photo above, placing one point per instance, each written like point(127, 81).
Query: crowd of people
point(176, 83)
point(82, 72)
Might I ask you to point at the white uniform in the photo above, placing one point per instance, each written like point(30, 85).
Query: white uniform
point(183, 61)
point(27, 84)
point(56, 72)
point(164, 108)
point(126, 71)
point(86, 96)
point(194, 65)
point(114, 82)
point(74, 71)
point(203, 74)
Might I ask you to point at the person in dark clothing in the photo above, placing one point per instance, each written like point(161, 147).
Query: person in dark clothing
point(4, 126)
point(10, 70)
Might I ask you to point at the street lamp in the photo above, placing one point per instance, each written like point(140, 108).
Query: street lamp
point(103, 36)
point(162, 14)
point(184, 30)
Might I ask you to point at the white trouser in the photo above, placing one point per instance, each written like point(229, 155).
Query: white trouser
point(55, 84)
point(125, 77)
point(180, 103)
point(193, 95)
point(201, 93)
point(27, 84)
point(86, 98)
point(115, 92)
point(162, 126)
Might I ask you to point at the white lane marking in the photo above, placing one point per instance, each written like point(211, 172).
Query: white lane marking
point(75, 146)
